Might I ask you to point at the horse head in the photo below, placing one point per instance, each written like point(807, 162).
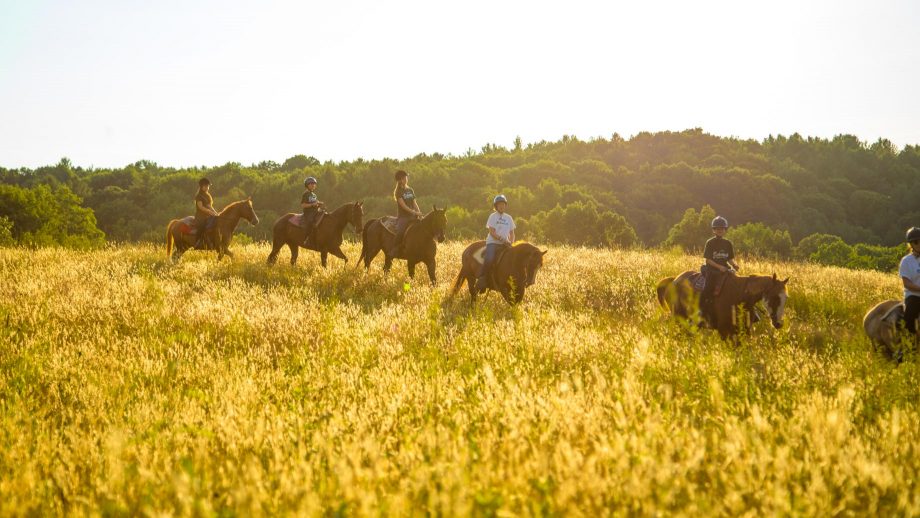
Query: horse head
point(242, 209)
point(774, 297)
point(356, 216)
point(529, 260)
point(438, 222)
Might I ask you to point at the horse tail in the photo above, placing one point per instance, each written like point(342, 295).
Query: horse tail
point(364, 239)
point(458, 283)
point(662, 289)
point(169, 238)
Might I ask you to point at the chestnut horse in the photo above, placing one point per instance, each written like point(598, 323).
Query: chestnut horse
point(419, 243)
point(219, 235)
point(513, 272)
point(327, 236)
point(884, 325)
point(678, 296)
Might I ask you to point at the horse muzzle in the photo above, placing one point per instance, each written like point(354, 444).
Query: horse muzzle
point(777, 325)
point(254, 221)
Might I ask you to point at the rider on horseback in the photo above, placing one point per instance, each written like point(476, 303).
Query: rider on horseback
point(204, 210)
point(311, 208)
point(501, 233)
point(407, 209)
point(720, 259)
point(909, 270)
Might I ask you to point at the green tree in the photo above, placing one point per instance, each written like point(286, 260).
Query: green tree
point(692, 231)
point(761, 240)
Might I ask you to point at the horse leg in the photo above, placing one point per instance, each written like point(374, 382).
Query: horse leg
point(431, 267)
point(322, 257)
point(387, 261)
point(337, 251)
point(295, 250)
point(276, 247)
point(724, 322)
point(411, 266)
point(369, 256)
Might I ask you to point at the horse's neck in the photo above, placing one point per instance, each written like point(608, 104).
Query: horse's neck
point(425, 224)
point(340, 216)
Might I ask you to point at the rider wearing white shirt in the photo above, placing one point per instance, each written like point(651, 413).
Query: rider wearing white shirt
point(501, 233)
point(909, 270)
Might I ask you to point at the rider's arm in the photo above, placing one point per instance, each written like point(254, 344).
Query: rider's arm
point(202, 208)
point(511, 236)
point(310, 205)
point(716, 265)
point(417, 210)
point(733, 264)
point(909, 284)
point(495, 235)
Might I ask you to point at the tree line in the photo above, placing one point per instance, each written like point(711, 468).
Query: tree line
point(778, 193)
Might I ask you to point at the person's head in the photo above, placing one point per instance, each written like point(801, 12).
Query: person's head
point(913, 239)
point(402, 177)
point(204, 185)
point(310, 183)
point(500, 203)
point(719, 226)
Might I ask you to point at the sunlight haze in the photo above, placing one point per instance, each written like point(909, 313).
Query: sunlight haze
point(108, 83)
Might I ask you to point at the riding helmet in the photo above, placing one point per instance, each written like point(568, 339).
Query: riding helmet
point(719, 222)
point(309, 180)
point(203, 182)
point(500, 197)
point(913, 234)
point(400, 174)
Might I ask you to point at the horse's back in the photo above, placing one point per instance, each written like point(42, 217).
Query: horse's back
point(874, 319)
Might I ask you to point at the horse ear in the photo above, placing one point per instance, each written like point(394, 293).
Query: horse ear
point(774, 276)
point(249, 198)
point(435, 207)
point(544, 252)
point(784, 281)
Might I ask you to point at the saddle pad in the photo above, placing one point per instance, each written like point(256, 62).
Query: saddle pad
point(480, 255)
point(389, 223)
point(187, 225)
point(296, 220)
point(894, 314)
point(697, 281)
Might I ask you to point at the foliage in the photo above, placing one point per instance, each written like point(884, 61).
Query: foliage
point(47, 215)
point(230, 389)
point(692, 231)
point(761, 240)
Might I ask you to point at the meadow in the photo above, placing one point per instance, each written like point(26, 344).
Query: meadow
point(129, 385)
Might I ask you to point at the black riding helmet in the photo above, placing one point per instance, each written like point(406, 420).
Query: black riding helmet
point(719, 222)
point(400, 174)
point(203, 182)
point(913, 234)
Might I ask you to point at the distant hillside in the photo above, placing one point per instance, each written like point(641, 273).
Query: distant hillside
point(596, 192)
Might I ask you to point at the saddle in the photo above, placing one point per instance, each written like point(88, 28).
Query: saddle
point(298, 221)
point(188, 226)
point(389, 223)
point(480, 257)
point(698, 282)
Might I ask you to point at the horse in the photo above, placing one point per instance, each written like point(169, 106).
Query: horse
point(678, 296)
point(220, 234)
point(327, 236)
point(419, 243)
point(882, 326)
point(514, 270)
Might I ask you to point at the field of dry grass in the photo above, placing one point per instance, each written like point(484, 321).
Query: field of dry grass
point(129, 385)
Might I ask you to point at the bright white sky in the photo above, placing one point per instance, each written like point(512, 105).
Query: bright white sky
point(182, 83)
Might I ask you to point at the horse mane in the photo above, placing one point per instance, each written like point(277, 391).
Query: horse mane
point(231, 206)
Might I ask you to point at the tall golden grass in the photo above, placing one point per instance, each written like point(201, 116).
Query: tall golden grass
point(132, 386)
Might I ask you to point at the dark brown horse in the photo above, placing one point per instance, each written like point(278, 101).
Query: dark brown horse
point(419, 243)
point(678, 296)
point(218, 237)
point(514, 271)
point(327, 236)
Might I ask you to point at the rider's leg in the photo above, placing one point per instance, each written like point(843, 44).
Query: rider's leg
point(401, 225)
point(911, 313)
point(307, 223)
point(487, 260)
point(199, 231)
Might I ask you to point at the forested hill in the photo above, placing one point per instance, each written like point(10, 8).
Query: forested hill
point(612, 191)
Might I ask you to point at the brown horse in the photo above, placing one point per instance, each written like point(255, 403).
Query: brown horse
point(419, 243)
point(219, 235)
point(678, 296)
point(513, 271)
point(883, 323)
point(327, 236)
